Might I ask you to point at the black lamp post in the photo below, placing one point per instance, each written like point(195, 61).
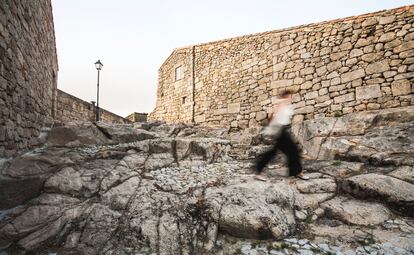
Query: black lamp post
point(98, 66)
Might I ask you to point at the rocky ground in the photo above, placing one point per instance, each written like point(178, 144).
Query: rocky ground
point(153, 188)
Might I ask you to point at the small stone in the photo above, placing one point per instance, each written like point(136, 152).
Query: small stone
point(233, 108)
point(389, 74)
point(355, 53)
point(307, 246)
point(387, 37)
point(349, 252)
point(261, 115)
point(279, 66)
point(404, 46)
point(338, 55)
point(378, 67)
point(291, 240)
point(324, 247)
point(305, 252)
point(307, 70)
point(401, 87)
point(303, 110)
point(303, 241)
point(281, 83)
point(362, 42)
point(335, 81)
point(321, 70)
point(301, 215)
point(344, 98)
point(368, 91)
point(332, 75)
point(306, 85)
point(353, 75)
point(323, 91)
point(370, 57)
point(319, 211)
point(386, 20)
point(311, 95)
point(275, 252)
point(407, 54)
point(369, 22)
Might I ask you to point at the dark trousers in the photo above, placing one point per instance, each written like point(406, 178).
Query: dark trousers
point(285, 144)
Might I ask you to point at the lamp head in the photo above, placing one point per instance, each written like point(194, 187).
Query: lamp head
point(98, 65)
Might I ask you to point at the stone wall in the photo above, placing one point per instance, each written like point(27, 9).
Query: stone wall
point(28, 73)
point(175, 96)
point(336, 67)
point(137, 117)
point(71, 108)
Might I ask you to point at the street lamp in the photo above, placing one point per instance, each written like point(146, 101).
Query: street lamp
point(98, 66)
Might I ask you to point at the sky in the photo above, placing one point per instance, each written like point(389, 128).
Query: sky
point(132, 38)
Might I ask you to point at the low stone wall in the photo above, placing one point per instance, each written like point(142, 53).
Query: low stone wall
point(337, 67)
point(28, 73)
point(138, 117)
point(71, 108)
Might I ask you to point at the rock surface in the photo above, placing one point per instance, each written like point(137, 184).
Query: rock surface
point(155, 188)
point(375, 136)
point(356, 212)
point(254, 209)
point(397, 193)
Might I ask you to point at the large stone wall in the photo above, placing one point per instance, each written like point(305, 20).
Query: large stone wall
point(28, 72)
point(175, 97)
point(336, 67)
point(71, 108)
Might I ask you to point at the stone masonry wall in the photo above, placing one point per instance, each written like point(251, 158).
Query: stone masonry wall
point(138, 117)
point(337, 67)
point(28, 72)
point(175, 97)
point(71, 108)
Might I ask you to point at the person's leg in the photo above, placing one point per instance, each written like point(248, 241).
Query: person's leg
point(291, 150)
point(264, 158)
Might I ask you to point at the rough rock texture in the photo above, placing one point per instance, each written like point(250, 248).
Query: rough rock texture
point(377, 137)
point(356, 212)
point(405, 173)
point(397, 193)
point(153, 188)
point(255, 209)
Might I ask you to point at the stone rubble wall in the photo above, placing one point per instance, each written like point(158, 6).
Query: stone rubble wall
point(170, 104)
point(336, 67)
point(138, 117)
point(28, 73)
point(71, 108)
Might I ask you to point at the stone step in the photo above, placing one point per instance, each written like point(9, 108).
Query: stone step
point(397, 194)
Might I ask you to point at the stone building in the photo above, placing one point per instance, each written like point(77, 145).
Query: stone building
point(335, 67)
point(137, 117)
point(71, 108)
point(28, 73)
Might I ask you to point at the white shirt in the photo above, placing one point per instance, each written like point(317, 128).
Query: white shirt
point(284, 114)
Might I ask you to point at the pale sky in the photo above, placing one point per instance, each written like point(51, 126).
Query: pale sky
point(132, 38)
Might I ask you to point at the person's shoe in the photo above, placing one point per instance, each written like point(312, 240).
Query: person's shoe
point(261, 178)
point(303, 177)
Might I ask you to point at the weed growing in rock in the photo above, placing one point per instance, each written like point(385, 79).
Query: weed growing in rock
point(336, 163)
point(337, 114)
point(194, 224)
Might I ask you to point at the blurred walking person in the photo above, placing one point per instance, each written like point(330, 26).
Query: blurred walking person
point(278, 130)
